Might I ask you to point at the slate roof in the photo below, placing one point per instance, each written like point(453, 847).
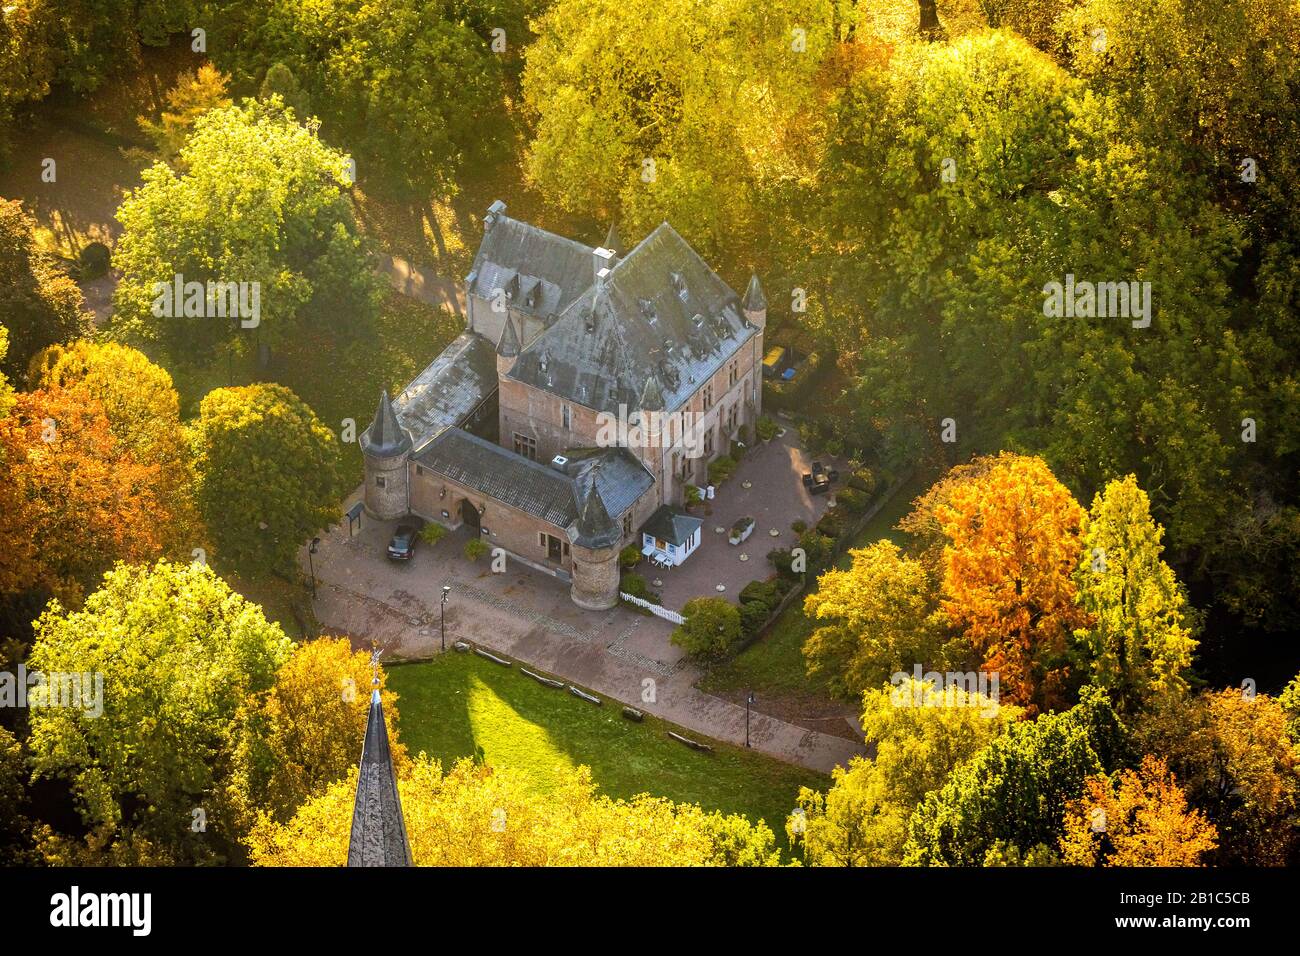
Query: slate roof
point(449, 389)
point(385, 437)
point(539, 490)
point(378, 828)
point(661, 311)
point(530, 264)
point(755, 300)
point(595, 527)
point(671, 525)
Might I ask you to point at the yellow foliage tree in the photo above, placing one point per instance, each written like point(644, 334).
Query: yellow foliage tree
point(875, 617)
point(309, 727)
point(476, 815)
point(1136, 818)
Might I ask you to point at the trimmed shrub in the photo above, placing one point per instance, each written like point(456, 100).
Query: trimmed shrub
point(863, 480)
point(720, 469)
point(432, 533)
point(767, 428)
point(712, 628)
point(799, 527)
point(852, 499)
point(753, 616)
point(636, 586)
point(629, 557)
point(476, 548)
point(781, 558)
point(830, 525)
point(762, 591)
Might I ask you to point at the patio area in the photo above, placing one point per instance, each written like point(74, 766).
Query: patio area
point(775, 499)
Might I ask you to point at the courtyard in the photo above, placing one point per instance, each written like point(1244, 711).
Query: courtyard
point(775, 498)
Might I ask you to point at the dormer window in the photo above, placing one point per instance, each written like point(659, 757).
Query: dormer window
point(679, 285)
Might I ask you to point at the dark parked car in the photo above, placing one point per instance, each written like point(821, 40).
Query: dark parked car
point(402, 545)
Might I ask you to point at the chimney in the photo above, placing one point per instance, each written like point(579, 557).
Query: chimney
point(603, 261)
point(497, 208)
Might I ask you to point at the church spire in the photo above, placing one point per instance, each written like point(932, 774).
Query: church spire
point(378, 829)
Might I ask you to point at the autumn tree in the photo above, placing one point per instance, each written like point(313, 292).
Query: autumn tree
point(179, 654)
point(1135, 818)
point(39, 304)
point(477, 815)
point(193, 95)
point(1011, 797)
point(1232, 752)
point(266, 473)
point(646, 111)
point(310, 726)
point(1139, 643)
point(1006, 536)
point(874, 618)
point(921, 734)
point(143, 412)
point(75, 499)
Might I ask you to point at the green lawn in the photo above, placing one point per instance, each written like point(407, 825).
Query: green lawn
point(460, 702)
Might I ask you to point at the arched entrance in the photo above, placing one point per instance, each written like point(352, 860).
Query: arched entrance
point(469, 513)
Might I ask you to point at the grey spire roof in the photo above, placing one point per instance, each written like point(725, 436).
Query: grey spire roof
point(652, 395)
point(754, 300)
point(508, 345)
point(613, 241)
point(595, 528)
point(378, 829)
point(385, 436)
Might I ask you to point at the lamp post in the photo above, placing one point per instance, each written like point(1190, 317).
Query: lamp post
point(749, 700)
point(311, 549)
point(442, 615)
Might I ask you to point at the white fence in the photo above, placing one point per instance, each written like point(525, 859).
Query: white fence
point(655, 609)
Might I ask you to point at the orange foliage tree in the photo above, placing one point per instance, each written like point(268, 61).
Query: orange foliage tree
point(1135, 819)
point(73, 501)
point(1006, 538)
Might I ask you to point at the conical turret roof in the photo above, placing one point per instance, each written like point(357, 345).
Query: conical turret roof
point(385, 436)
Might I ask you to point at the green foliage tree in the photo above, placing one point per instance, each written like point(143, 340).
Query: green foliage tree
point(921, 734)
point(179, 653)
point(1014, 792)
point(261, 201)
point(874, 618)
point(266, 473)
point(1139, 643)
point(40, 304)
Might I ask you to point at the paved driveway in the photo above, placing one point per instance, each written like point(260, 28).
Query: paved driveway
point(776, 499)
point(527, 615)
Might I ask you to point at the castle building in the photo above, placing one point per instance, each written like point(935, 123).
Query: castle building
point(588, 390)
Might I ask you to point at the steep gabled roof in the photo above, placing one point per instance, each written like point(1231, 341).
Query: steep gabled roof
point(544, 492)
point(449, 389)
point(526, 260)
point(661, 311)
point(378, 828)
